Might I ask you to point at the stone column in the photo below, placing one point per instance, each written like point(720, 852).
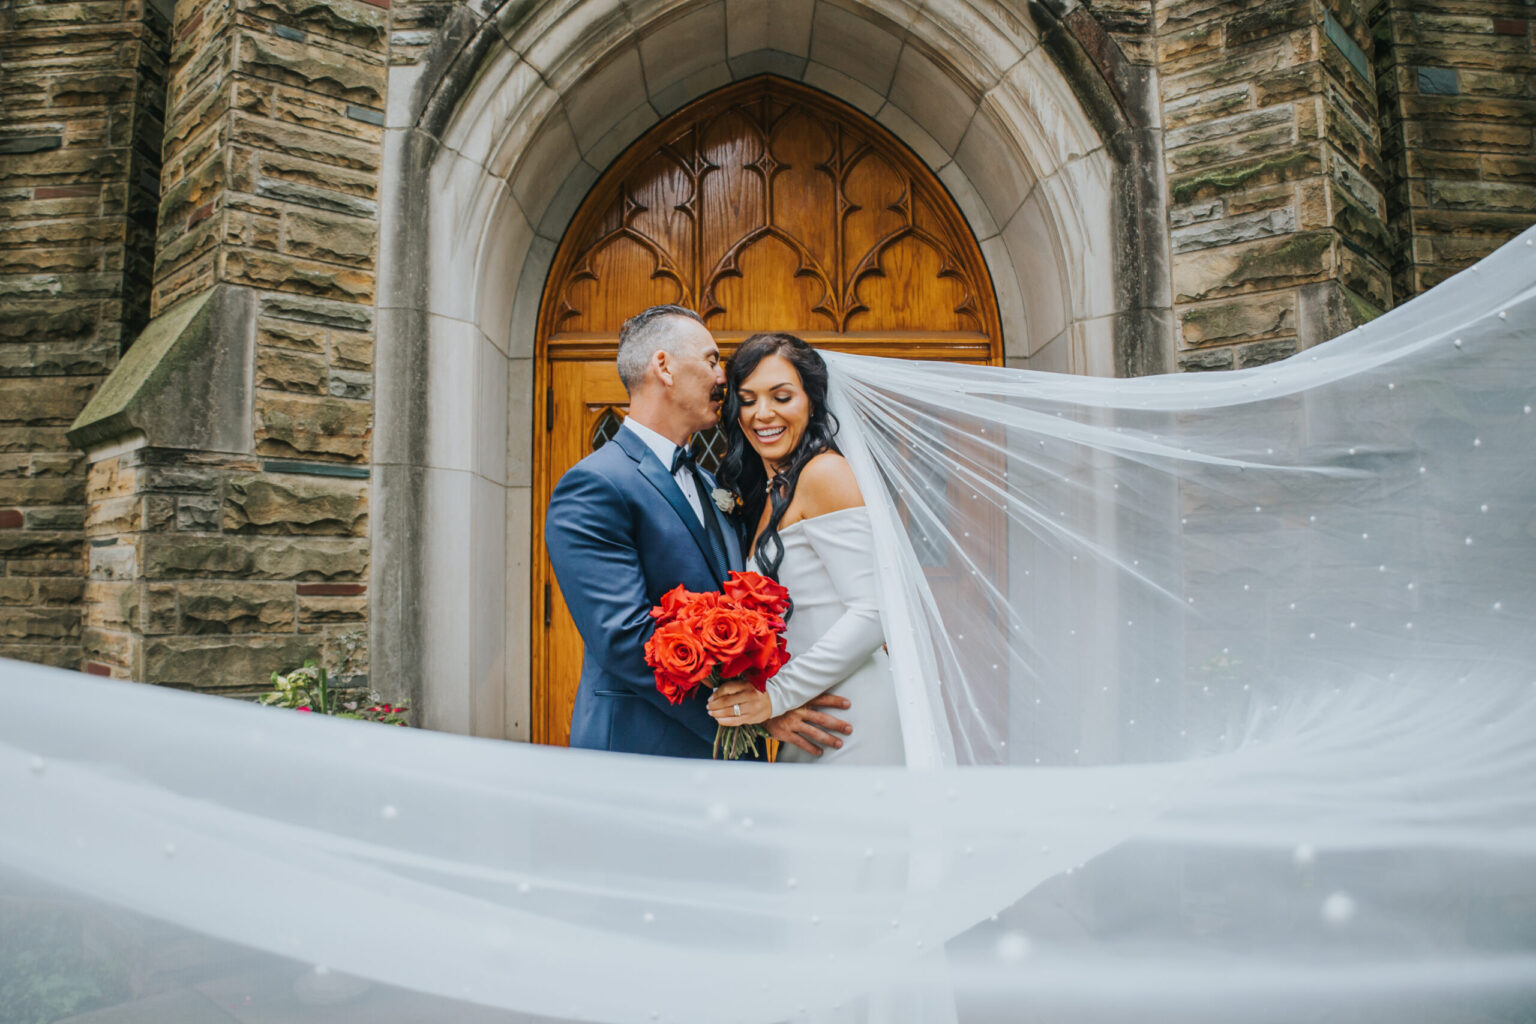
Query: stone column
point(1107, 50)
point(1458, 108)
point(81, 104)
point(230, 451)
point(1275, 183)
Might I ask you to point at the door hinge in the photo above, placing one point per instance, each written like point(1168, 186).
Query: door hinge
point(549, 409)
point(548, 606)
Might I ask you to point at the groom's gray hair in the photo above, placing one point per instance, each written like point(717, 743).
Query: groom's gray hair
point(642, 336)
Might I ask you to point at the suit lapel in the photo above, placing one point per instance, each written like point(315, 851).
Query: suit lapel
point(727, 530)
point(733, 541)
point(656, 474)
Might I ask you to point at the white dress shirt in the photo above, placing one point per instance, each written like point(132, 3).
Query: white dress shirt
point(664, 450)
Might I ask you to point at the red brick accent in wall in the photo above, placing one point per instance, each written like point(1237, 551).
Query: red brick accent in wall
point(332, 589)
point(65, 191)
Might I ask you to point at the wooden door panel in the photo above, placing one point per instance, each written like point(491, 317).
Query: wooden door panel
point(600, 384)
point(764, 159)
point(765, 206)
point(580, 395)
point(797, 303)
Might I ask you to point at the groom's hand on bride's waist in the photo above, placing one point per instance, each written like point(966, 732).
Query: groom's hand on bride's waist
point(809, 727)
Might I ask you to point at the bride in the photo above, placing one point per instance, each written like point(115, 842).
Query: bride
point(809, 530)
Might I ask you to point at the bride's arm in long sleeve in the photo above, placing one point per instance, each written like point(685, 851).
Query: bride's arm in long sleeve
point(843, 542)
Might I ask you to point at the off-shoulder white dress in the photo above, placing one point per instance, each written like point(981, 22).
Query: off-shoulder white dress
point(835, 638)
point(836, 645)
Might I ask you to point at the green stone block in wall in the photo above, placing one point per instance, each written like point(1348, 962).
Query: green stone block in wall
point(1438, 82)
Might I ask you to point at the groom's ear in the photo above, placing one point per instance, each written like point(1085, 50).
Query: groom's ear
point(662, 367)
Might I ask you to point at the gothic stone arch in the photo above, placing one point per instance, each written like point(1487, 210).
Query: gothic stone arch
point(1043, 139)
point(764, 205)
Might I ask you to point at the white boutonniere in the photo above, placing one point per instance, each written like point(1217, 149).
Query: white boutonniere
point(726, 501)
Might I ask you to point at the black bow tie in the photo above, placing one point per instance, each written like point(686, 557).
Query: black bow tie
point(680, 458)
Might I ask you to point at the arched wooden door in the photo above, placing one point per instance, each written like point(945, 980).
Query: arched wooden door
point(764, 206)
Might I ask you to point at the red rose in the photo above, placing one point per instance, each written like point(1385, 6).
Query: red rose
point(756, 591)
point(773, 657)
point(765, 625)
point(303, 709)
point(679, 658)
point(727, 631)
point(698, 606)
point(754, 632)
point(672, 603)
point(760, 663)
point(670, 689)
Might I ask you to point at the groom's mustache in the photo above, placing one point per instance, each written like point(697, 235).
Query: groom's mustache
point(718, 394)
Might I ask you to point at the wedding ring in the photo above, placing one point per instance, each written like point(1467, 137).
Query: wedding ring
point(736, 708)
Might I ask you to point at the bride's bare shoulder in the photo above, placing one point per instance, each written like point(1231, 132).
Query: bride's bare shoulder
point(827, 485)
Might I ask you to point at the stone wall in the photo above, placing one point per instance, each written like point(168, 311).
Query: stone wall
point(1118, 39)
point(215, 560)
point(272, 151)
point(1131, 24)
point(1457, 87)
point(1275, 181)
point(82, 92)
point(415, 25)
point(211, 572)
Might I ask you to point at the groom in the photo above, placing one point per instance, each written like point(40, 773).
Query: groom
point(635, 519)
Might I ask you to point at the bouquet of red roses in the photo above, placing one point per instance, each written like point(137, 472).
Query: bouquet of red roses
point(718, 637)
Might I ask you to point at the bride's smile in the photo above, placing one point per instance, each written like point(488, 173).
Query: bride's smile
point(774, 409)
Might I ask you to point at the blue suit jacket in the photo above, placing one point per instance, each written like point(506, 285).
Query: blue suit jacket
point(620, 534)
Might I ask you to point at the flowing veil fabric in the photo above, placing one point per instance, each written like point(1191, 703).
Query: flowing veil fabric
point(1219, 693)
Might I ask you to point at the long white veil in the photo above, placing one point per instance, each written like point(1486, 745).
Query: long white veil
point(1223, 687)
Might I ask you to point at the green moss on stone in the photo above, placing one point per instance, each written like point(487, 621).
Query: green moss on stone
point(1199, 156)
point(1226, 179)
point(1297, 257)
point(1213, 359)
point(1361, 226)
point(1360, 311)
point(1240, 319)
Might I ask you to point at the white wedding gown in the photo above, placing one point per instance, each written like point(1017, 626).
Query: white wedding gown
point(837, 645)
point(836, 641)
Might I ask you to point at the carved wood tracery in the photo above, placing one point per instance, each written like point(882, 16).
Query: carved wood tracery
point(769, 206)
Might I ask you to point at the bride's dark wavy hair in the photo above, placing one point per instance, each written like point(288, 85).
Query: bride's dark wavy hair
point(742, 470)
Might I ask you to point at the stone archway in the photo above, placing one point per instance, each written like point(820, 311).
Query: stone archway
point(763, 205)
point(493, 142)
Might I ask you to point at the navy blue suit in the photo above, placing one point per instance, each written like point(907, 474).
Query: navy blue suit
point(620, 534)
